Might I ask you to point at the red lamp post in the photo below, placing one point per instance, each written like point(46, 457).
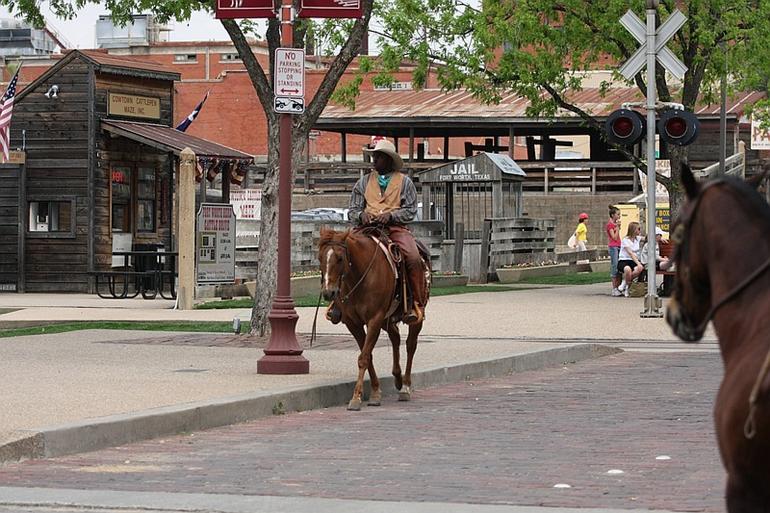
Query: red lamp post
point(283, 355)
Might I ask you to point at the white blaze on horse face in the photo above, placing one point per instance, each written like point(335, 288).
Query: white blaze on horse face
point(329, 254)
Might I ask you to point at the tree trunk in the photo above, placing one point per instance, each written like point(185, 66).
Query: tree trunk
point(677, 155)
point(267, 253)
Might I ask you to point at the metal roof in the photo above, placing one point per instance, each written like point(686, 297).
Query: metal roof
point(455, 113)
point(128, 65)
point(170, 139)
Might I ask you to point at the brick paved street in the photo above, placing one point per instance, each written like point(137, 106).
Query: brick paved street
point(499, 441)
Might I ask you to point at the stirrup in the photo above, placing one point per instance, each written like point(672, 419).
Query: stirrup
point(333, 314)
point(415, 316)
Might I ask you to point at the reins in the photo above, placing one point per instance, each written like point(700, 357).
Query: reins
point(737, 290)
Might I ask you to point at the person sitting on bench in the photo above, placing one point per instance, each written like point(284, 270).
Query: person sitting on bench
point(661, 263)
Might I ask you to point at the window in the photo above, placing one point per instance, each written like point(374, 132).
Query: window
point(121, 199)
point(145, 194)
point(182, 58)
point(229, 57)
point(51, 217)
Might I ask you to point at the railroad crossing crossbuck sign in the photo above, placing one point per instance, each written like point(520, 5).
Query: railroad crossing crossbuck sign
point(664, 56)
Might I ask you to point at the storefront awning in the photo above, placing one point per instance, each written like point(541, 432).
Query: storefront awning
point(170, 139)
point(212, 157)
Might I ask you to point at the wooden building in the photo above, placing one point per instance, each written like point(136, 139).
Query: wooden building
point(97, 159)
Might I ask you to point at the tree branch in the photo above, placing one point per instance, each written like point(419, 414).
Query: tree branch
point(254, 69)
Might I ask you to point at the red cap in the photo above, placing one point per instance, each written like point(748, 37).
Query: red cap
point(582, 216)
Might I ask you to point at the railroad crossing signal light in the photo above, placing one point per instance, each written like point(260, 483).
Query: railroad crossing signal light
point(678, 127)
point(625, 127)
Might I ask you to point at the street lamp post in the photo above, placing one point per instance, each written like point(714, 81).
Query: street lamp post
point(283, 354)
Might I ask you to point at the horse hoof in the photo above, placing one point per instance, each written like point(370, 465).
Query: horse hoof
point(398, 382)
point(375, 399)
point(354, 405)
point(405, 394)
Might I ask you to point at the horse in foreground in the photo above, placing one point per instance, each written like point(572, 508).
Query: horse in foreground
point(357, 273)
point(722, 258)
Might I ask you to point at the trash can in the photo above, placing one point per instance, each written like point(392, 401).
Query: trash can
point(150, 265)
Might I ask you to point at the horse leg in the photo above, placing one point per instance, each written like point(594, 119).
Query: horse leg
point(395, 340)
point(365, 362)
point(411, 346)
point(375, 397)
point(743, 497)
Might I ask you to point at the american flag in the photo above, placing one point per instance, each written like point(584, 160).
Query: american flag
point(189, 119)
point(6, 109)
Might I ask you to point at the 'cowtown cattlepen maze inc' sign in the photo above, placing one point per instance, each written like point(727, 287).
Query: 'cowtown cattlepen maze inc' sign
point(215, 243)
point(133, 106)
point(307, 9)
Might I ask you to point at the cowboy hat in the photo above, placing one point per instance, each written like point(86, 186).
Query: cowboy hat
point(659, 231)
point(386, 147)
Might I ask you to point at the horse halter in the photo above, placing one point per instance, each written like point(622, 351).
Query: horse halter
point(681, 235)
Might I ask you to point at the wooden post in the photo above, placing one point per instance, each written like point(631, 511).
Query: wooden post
point(344, 146)
point(446, 149)
point(593, 180)
point(459, 243)
point(511, 139)
point(486, 233)
point(186, 230)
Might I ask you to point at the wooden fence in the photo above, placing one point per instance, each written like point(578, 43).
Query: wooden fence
point(305, 236)
point(516, 240)
point(562, 176)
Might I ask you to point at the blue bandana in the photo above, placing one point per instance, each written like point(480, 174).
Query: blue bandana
point(384, 180)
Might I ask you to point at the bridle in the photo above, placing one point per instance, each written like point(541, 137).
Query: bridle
point(348, 264)
point(681, 235)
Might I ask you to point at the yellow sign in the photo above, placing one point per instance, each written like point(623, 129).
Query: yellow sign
point(133, 106)
point(17, 157)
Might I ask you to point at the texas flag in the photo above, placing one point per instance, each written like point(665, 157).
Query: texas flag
point(189, 119)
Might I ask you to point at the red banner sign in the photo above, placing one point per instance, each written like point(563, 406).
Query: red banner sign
point(235, 9)
point(330, 9)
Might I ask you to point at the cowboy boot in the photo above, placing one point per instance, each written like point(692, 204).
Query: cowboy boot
point(333, 313)
point(414, 316)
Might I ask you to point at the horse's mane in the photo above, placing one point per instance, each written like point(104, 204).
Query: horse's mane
point(330, 235)
point(752, 200)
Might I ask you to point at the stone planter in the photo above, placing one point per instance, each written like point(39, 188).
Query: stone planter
point(301, 286)
point(448, 280)
point(516, 274)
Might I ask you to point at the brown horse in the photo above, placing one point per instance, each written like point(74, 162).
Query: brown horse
point(356, 274)
point(723, 275)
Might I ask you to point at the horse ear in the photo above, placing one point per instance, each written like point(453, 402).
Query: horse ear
point(688, 180)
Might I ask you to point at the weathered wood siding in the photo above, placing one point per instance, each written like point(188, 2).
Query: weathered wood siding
point(10, 188)
point(55, 131)
point(123, 151)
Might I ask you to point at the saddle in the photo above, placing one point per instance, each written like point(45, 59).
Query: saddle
point(403, 295)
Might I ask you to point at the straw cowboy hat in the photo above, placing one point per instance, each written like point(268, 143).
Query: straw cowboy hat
point(388, 149)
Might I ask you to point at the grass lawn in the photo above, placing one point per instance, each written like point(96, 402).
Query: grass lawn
point(570, 279)
point(247, 303)
point(208, 327)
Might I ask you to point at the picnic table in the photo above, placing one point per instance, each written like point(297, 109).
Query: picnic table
point(149, 273)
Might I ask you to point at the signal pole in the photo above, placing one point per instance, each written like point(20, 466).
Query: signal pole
point(652, 302)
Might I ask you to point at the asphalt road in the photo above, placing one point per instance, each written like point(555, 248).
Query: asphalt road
point(630, 431)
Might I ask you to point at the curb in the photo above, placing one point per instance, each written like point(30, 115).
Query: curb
point(122, 429)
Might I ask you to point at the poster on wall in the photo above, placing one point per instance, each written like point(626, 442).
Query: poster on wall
point(760, 137)
point(247, 204)
point(215, 243)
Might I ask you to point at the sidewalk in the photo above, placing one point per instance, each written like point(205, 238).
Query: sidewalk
point(82, 390)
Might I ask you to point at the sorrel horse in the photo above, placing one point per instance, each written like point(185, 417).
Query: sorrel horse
point(356, 273)
point(722, 259)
